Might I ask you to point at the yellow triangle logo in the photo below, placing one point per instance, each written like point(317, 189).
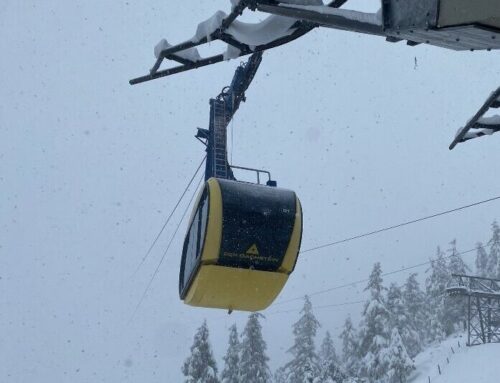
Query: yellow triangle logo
point(253, 250)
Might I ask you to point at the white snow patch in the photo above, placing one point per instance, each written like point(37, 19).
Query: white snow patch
point(209, 26)
point(188, 54)
point(252, 34)
point(426, 363)
point(474, 134)
point(478, 364)
point(492, 120)
point(231, 52)
point(268, 30)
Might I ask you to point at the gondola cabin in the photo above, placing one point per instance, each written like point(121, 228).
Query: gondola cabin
point(241, 245)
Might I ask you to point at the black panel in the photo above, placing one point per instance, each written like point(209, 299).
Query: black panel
point(257, 225)
point(404, 15)
point(193, 245)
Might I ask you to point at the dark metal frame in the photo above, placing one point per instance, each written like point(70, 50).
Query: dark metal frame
point(483, 306)
point(269, 182)
point(493, 102)
point(222, 109)
point(413, 21)
point(300, 27)
point(220, 34)
point(410, 20)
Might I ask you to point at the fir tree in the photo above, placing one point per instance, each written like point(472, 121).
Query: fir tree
point(395, 303)
point(494, 251)
point(330, 369)
point(400, 364)
point(400, 319)
point(375, 282)
point(456, 263)
point(436, 331)
point(417, 312)
point(200, 366)
point(304, 366)
point(253, 365)
point(439, 307)
point(374, 330)
point(440, 275)
point(231, 372)
point(455, 307)
point(350, 356)
point(280, 375)
point(482, 260)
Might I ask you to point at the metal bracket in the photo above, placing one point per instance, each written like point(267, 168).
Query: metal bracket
point(174, 53)
point(482, 125)
point(270, 181)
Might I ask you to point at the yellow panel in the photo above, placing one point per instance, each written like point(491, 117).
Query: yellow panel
point(234, 289)
point(211, 248)
point(293, 246)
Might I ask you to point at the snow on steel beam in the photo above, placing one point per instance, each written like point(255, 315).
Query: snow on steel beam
point(480, 125)
point(241, 38)
point(327, 16)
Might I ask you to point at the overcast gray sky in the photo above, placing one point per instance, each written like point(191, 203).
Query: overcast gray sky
point(90, 167)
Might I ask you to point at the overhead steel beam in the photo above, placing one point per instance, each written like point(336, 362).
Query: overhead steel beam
point(329, 20)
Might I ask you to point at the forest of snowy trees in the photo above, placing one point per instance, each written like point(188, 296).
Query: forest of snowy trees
point(397, 322)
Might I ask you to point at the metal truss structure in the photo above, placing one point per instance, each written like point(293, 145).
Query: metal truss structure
point(483, 307)
point(451, 24)
point(456, 25)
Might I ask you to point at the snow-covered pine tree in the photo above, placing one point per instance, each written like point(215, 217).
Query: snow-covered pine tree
point(350, 356)
point(494, 251)
point(418, 313)
point(456, 263)
point(330, 368)
point(436, 331)
point(374, 330)
point(231, 371)
point(436, 283)
point(304, 366)
point(253, 362)
point(401, 320)
point(400, 363)
point(280, 375)
point(395, 303)
point(455, 307)
point(200, 366)
point(439, 275)
point(481, 260)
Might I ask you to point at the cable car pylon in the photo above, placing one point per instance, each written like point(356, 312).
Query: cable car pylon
point(243, 238)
